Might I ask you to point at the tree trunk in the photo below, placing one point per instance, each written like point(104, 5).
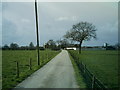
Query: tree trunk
point(80, 47)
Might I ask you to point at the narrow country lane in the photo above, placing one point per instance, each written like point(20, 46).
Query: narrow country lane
point(58, 73)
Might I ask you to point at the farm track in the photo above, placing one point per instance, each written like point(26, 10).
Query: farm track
point(58, 73)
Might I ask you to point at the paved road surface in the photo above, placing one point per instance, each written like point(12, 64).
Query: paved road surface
point(58, 73)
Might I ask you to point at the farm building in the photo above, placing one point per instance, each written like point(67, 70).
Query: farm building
point(71, 48)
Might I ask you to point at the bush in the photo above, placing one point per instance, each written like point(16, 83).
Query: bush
point(42, 48)
point(56, 48)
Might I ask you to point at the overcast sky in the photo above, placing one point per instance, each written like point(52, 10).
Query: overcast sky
point(18, 21)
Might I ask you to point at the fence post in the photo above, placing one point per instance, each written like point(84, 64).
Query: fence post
point(43, 58)
point(84, 67)
point(17, 68)
point(30, 64)
point(47, 56)
point(93, 82)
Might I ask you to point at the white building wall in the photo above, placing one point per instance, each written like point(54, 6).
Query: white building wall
point(74, 48)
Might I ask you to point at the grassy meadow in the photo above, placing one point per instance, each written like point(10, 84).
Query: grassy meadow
point(103, 64)
point(9, 79)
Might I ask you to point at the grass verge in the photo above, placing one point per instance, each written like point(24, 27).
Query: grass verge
point(80, 80)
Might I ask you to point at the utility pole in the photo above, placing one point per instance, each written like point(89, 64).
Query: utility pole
point(37, 32)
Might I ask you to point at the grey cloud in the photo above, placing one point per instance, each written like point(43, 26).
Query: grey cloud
point(8, 31)
point(56, 18)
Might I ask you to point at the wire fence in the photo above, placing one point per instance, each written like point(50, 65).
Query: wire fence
point(91, 80)
point(20, 68)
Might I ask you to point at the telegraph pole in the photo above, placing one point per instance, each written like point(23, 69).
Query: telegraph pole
point(38, 57)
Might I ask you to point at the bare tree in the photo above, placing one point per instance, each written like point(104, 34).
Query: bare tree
point(80, 32)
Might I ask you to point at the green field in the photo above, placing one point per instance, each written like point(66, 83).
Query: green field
point(103, 64)
point(9, 79)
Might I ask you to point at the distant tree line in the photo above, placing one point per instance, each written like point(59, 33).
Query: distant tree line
point(50, 44)
point(56, 45)
point(53, 45)
point(15, 46)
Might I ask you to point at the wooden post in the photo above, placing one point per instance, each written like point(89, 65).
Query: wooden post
point(17, 68)
point(43, 58)
point(84, 68)
point(30, 64)
point(47, 57)
point(93, 82)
